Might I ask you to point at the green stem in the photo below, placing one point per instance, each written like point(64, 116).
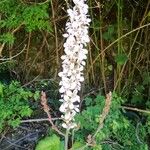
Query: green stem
point(66, 139)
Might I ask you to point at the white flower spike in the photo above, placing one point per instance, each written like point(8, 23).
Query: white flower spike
point(73, 61)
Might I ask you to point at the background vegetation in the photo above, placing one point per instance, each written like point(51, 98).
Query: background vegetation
point(31, 44)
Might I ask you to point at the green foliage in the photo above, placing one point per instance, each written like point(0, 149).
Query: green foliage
point(14, 104)
point(36, 17)
point(140, 92)
point(15, 14)
point(117, 133)
point(7, 38)
point(50, 143)
point(10, 11)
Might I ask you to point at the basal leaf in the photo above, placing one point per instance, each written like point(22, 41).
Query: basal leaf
point(49, 143)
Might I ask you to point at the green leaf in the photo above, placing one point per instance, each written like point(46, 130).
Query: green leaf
point(49, 143)
point(109, 34)
point(1, 90)
point(26, 111)
point(97, 147)
point(14, 123)
point(77, 145)
point(121, 59)
point(36, 95)
point(137, 98)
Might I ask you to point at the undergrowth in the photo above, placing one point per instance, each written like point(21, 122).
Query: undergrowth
point(121, 130)
point(31, 44)
point(14, 104)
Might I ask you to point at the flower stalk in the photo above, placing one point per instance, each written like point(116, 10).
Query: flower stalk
point(73, 61)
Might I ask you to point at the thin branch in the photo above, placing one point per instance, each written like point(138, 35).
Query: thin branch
point(136, 109)
point(56, 37)
point(39, 120)
point(6, 59)
point(1, 49)
point(37, 3)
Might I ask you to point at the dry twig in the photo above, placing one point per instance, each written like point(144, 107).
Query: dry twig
point(91, 139)
point(47, 109)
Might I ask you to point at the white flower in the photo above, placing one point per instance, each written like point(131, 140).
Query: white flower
point(73, 61)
